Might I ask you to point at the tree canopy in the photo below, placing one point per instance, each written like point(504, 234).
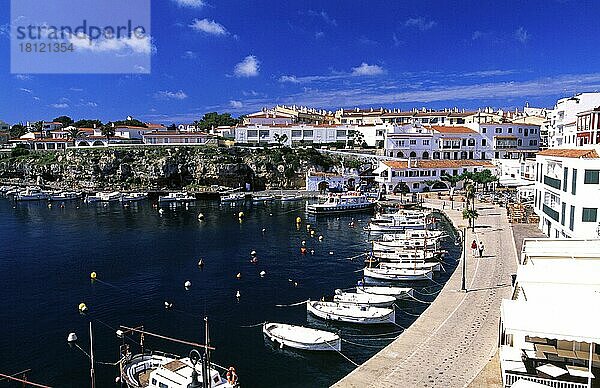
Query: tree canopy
point(17, 131)
point(214, 119)
point(88, 123)
point(64, 120)
point(129, 123)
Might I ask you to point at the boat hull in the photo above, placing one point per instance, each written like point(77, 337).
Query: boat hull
point(323, 210)
point(397, 275)
point(396, 292)
point(388, 317)
point(281, 341)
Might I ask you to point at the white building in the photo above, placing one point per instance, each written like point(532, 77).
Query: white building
point(562, 120)
point(423, 175)
point(549, 332)
point(567, 189)
point(510, 140)
point(4, 126)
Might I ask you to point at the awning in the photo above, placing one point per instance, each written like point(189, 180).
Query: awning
point(567, 319)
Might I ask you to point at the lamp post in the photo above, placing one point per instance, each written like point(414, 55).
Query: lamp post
point(464, 258)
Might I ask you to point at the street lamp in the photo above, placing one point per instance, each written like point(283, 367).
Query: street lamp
point(463, 230)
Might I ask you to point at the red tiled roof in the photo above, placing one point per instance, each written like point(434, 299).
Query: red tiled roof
point(438, 164)
point(569, 153)
point(452, 129)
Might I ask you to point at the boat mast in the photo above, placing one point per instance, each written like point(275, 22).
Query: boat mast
point(206, 346)
point(92, 373)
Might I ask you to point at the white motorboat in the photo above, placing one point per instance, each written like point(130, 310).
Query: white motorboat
point(396, 292)
point(176, 197)
point(157, 370)
point(412, 235)
point(64, 196)
point(391, 246)
point(393, 274)
point(291, 198)
point(134, 197)
point(235, 197)
point(114, 196)
point(400, 255)
point(300, 337)
point(13, 191)
point(341, 203)
point(397, 225)
point(351, 313)
point(363, 299)
point(436, 267)
point(389, 217)
point(31, 194)
point(262, 198)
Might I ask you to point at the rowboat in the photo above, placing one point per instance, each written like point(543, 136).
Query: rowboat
point(413, 235)
point(393, 274)
point(396, 292)
point(350, 313)
point(364, 299)
point(405, 244)
point(64, 196)
point(300, 337)
point(176, 197)
point(414, 265)
point(405, 255)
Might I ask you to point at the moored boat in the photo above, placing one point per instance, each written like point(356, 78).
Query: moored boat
point(397, 274)
point(397, 225)
point(64, 196)
point(176, 197)
point(350, 202)
point(350, 313)
point(134, 197)
point(396, 292)
point(300, 337)
point(364, 299)
point(234, 197)
point(31, 194)
point(262, 198)
point(412, 265)
point(291, 198)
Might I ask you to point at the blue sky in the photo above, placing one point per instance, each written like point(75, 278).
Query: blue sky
point(238, 56)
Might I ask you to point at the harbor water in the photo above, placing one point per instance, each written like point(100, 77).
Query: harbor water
point(143, 258)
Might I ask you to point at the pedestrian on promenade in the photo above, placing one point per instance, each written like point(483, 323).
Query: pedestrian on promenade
point(481, 248)
point(474, 247)
point(443, 205)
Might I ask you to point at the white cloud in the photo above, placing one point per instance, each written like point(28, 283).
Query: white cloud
point(319, 34)
point(397, 42)
point(489, 73)
point(289, 78)
point(420, 23)
point(209, 27)
point(236, 104)
point(189, 55)
point(366, 69)
point(76, 89)
point(23, 77)
point(322, 15)
point(168, 95)
point(522, 35)
point(29, 91)
point(124, 46)
point(247, 68)
point(190, 3)
point(62, 105)
point(477, 35)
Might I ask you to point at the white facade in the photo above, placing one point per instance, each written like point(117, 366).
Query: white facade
point(510, 140)
point(562, 128)
point(567, 189)
point(417, 175)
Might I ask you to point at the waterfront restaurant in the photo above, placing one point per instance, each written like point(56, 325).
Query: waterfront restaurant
point(549, 330)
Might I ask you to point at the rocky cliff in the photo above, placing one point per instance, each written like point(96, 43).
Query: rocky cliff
point(165, 168)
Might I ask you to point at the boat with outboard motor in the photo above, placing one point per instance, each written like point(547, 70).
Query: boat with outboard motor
point(396, 292)
point(351, 313)
point(363, 299)
point(300, 337)
point(398, 274)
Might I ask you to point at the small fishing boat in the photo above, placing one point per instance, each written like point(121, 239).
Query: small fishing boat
point(401, 255)
point(161, 370)
point(291, 198)
point(262, 198)
point(436, 267)
point(397, 225)
point(350, 202)
point(31, 194)
point(363, 299)
point(351, 313)
point(176, 197)
point(235, 197)
point(134, 197)
point(396, 292)
point(412, 235)
point(64, 196)
point(300, 337)
point(114, 196)
point(391, 246)
point(396, 274)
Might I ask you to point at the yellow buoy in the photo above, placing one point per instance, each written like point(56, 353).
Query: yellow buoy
point(93, 275)
point(241, 215)
point(82, 307)
point(298, 220)
point(312, 232)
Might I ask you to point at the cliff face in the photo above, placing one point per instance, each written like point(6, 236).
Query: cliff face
point(165, 168)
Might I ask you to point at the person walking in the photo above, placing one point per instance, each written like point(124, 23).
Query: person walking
point(474, 248)
point(481, 247)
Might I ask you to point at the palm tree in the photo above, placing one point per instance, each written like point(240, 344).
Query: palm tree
point(280, 139)
point(107, 131)
point(471, 215)
point(38, 126)
point(452, 179)
point(74, 134)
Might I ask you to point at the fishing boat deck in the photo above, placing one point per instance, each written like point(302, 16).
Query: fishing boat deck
point(456, 336)
point(144, 377)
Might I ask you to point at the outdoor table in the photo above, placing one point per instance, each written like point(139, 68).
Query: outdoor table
point(545, 348)
point(551, 370)
point(579, 371)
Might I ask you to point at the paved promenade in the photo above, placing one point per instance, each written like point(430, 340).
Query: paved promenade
point(452, 341)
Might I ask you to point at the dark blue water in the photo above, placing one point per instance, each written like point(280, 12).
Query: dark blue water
point(143, 259)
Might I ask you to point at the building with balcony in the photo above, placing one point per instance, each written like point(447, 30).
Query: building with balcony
point(588, 127)
point(549, 334)
point(178, 138)
point(567, 187)
point(423, 175)
point(562, 120)
point(510, 140)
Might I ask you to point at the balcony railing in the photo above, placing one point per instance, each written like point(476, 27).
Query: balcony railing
point(511, 378)
point(552, 182)
point(550, 212)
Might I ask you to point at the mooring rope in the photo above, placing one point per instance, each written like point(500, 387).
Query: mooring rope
point(250, 326)
point(412, 315)
point(342, 354)
point(355, 257)
point(362, 345)
point(374, 335)
point(291, 305)
point(418, 300)
point(428, 293)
